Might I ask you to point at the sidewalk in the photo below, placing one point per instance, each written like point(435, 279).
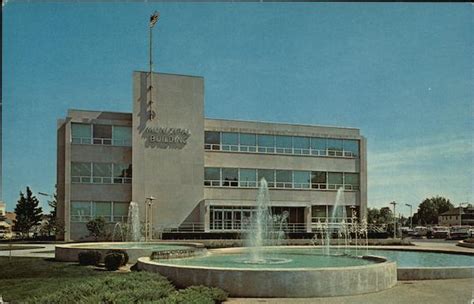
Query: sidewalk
point(46, 251)
point(458, 291)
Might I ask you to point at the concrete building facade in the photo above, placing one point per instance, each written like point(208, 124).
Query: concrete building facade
point(458, 216)
point(203, 174)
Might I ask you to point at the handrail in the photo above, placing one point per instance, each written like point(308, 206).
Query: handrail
point(280, 150)
point(89, 179)
point(278, 185)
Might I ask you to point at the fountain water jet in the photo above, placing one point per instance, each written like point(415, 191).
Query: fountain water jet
point(265, 229)
point(134, 222)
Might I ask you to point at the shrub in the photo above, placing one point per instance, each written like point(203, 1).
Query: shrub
point(113, 261)
point(134, 287)
point(96, 228)
point(122, 252)
point(89, 258)
point(196, 295)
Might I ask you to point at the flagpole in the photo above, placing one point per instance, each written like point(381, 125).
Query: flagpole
point(151, 73)
point(153, 20)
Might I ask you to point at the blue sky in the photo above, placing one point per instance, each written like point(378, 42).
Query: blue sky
point(399, 72)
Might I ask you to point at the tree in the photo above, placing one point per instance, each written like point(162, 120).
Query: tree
point(96, 228)
point(52, 226)
point(28, 213)
point(373, 215)
point(430, 209)
point(386, 215)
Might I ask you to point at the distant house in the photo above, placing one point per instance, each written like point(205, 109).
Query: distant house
point(6, 222)
point(456, 216)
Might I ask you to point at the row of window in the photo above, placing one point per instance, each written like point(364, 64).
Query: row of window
point(101, 134)
point(101, 173)
point(279, 144)
point(292, 179)
point(84, 211)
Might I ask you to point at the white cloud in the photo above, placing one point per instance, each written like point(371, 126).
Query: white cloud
point(414, 171)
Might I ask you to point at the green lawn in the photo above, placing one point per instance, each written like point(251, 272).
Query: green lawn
point(22, 279)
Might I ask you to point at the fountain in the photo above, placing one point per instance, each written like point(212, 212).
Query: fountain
point(264, 269)
point(130, 236)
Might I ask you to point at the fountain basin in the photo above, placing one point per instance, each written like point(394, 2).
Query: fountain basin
point(368, 274)
point(69, 252)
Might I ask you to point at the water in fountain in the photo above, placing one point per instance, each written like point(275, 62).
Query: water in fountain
point(118, 228)
point(134, 222)
point(260, 223)
point(265, 229)
point(332, 224)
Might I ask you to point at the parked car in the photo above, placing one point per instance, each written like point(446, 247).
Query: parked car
point(420, 231)
point(440, 232)
point(459, 232)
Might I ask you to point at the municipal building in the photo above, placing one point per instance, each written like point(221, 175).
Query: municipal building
point(188, 173)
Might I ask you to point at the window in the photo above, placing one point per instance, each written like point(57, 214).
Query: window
point(318, 180)
point(268, 175)
point(230, 177)
point(335, 147)
point(120, 211)
point(301, 179)
point(81, 172)
point(284, 144)
point(284, 179)
point(122, 174)
point(351, 148)
point(110, 211)
point(102, 173)
point(212, 176)
point(248, 142)
point(351, 181)
point(248, 178)
point(301, 145)
point(230, 141)
point(122, 136)
point(81, 211)
point(81, 133)
point(212, 140)
point(334, 180)
point(102, 134)
point(318, 146)
point(103, 210)
point(266, 143)
point(319, 213)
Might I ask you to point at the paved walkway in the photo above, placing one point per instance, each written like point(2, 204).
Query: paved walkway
point(46, 251)
point(458, 291)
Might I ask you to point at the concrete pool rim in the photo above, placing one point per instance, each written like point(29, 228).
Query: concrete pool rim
point(282, 282)
point(69, 252)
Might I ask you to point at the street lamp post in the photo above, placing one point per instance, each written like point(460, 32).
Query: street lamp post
point(46, 194)
point(411, 215)
point(394, 219)
point(149, 218)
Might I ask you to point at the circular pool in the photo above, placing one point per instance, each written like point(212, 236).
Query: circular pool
point(299, 272)
point(69, 252)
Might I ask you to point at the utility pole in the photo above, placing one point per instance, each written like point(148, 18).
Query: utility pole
point(394, 219)
point(153, 20)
